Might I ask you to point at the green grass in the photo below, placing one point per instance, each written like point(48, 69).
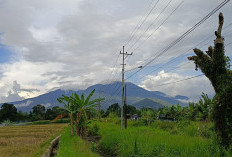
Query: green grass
point(159, 139)
point(74, 146)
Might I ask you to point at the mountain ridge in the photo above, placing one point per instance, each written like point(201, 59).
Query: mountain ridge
point(134, 94)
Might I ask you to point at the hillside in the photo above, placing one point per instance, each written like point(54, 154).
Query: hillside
point(134, 95)
point(148, 103)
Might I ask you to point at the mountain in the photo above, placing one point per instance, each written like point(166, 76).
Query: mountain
point(148, 103)
point(111, 93)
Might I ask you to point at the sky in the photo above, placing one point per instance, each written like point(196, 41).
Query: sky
point(72, 44)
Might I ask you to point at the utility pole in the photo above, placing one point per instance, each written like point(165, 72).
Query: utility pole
point(125, 111)
point(99, 103)
point(123, 67)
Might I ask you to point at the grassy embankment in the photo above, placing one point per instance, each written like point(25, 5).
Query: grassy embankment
point(74, 146)
point(159, 139)
point(27, 141)
point(169, 139)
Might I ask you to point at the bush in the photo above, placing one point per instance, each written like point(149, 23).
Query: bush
point(136, 123)
point(165, 125)
point(109, 145)
point(93, 130)
point(62, 121)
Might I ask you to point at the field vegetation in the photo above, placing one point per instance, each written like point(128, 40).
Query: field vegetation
point(161, 138)
point(169, 131)
point(74, 146)
point(28, 140)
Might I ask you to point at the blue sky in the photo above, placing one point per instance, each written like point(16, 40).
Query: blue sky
point(5, 54)
point(72, 44)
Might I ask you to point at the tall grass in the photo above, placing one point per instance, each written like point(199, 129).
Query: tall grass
point(74, 146)
point(159, 139)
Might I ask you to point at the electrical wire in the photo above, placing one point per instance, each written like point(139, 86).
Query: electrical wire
point(168, 4)
point(163, 51)
point(143, 19)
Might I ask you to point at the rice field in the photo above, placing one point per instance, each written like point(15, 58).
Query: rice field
point(28, 140)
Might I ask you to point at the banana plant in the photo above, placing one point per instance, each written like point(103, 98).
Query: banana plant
point(205, 107)
point(70, 107)
point(80, 107)
point(84, 107)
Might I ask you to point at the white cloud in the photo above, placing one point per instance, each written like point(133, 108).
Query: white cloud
point(30, 80)
point(61, 43)
point(45, 35)
point(16, 93)
point(46, 105)
point(191, 88)
point(28, 103)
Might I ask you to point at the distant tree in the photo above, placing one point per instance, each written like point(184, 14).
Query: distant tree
point(8, 112)
point(178, 112)
point(192, 111)
point(22, 116)
point(102, 113)
point(38, 112)
point(148, 115)
point(49, 115)
point(172, 112)
point(128, 109)
point(205, 107)
point(114, 108)
point(53, 113)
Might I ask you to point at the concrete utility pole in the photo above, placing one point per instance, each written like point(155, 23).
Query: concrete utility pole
point(99, 102)
point(125, 112)
point(123, 66)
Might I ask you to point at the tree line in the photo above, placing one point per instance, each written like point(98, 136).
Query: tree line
point(8, 112)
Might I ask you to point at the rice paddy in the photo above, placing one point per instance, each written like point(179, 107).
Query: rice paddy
point(28, 140)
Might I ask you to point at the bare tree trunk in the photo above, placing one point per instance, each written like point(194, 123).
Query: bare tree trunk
point(214, 65)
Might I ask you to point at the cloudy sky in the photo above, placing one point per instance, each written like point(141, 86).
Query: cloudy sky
point(68, 44)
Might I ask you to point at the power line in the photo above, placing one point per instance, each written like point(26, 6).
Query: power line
point(143, 19)
point(112, 96)
point(151, 24)
point(228, 44)
point(205, 19)
point(182, 36)
point(180, 80)
point(117, 91)
point(192, 77)
point(166, 19)
point(208, 38)
point(189, 31)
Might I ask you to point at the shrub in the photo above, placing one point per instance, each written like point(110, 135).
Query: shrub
point(61, 121)
point(93, 130)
